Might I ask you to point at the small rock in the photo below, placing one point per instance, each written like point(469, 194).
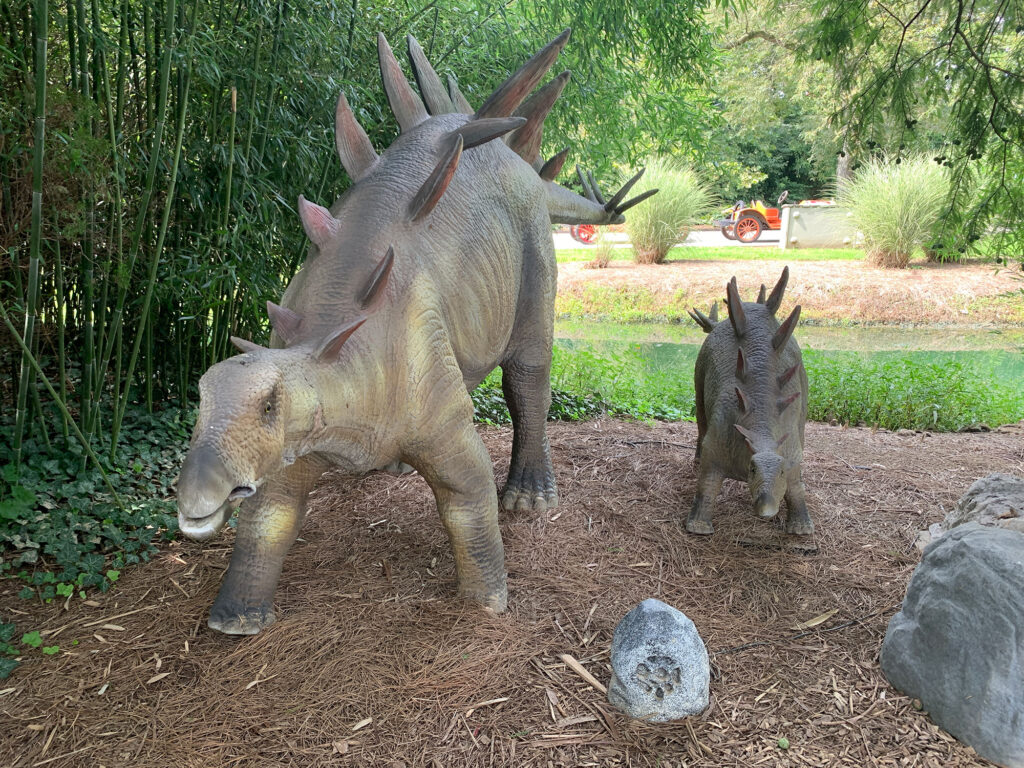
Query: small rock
point(924, 538)
point(660, 668)
point(956, 646)
point(996, 500)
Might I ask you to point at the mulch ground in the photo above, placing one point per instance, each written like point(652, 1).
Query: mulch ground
point(372, 662)
point(829, 291)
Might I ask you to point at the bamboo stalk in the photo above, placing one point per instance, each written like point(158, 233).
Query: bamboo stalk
point(61, 297)
point(83, 62)
point(117, 317)
point(231, 160)
point(155, 259)
point(122, 66)
point(42, 30)
point(72, 47)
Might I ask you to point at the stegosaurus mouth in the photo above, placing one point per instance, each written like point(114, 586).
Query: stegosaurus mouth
point(208, 526)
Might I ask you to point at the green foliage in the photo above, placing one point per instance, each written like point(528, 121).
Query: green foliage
point(683, 200)
point(32, 639)
point(773, 132)
point(935, 75)
point(906, 394)
point(585, 384)
point(7, 649)
point(72, 536)
point(632, 380)
point(897, 204)
point(628, 382)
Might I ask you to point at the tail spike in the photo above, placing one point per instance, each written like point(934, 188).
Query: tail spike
point(331, 346)
point(744, 402)
point(741, 365)
point(553, 167)
point(785, 377)
point(354, 148)
point(737, 316)
point(405, 104)
point(433, 188)
point(436, 97)
point(460, 101)
point(786, 329)
point(244, 345)
point(775, 299)
point(785, 402)
point(621, 194)
point(713, 312)
point(511, 93)
point(635, 200)
point(374, 290)
point(284, 321)
point(761, 294)
point(477, 132)
point(526, 141)
point(596, 188)
point(585, 183)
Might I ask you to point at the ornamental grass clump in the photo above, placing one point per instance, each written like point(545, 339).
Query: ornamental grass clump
point(602, 252)
point(665, 219)
point(896, 205)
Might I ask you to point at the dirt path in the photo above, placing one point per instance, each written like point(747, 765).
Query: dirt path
point(368, 627)
point(830, 291)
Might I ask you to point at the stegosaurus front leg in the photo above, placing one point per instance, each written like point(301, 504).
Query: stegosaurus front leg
point(566, 207)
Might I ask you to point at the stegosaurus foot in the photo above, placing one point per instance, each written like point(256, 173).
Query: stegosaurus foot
point(800, 526)
point(530, 489)
point(239, 620)
point(699, 526)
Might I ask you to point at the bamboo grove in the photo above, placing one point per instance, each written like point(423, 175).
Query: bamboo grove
point(151, 152)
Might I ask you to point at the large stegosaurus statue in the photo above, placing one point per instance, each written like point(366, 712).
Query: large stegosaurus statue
point(434, 268)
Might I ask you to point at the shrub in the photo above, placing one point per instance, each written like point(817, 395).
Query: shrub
point(602, 252)
point(896, 204)
point(657, 224)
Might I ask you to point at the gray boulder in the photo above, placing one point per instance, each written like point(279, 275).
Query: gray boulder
point(660, 668)
point(996, 500)
point(957, 644)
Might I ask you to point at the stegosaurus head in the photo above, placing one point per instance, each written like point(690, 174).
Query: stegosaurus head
point(767, 481)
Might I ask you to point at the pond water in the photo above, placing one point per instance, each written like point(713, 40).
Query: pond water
point(996, 355)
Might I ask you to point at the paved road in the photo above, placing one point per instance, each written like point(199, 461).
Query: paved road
point(563, 240)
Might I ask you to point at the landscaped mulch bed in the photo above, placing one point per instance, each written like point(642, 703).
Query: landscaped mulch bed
point(372, 662)
point(829, 291)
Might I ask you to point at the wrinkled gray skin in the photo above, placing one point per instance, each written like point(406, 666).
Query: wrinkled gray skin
point(759, 437)
point(471, 287)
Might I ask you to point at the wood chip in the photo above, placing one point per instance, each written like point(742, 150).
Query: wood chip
point(576, 667)
point(362, 724)
point(811, 623)
point(156, 677)
point(113, 627)
point(487, 703)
